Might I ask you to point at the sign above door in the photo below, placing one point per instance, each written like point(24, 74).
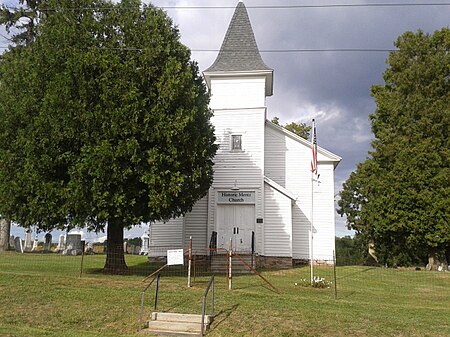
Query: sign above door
point(236, 197)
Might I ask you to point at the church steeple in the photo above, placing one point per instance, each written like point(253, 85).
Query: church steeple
point(239, 52)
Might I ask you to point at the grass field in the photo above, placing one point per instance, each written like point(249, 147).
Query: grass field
point(43, 295)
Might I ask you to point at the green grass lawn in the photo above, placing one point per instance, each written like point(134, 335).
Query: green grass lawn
point(43, 295)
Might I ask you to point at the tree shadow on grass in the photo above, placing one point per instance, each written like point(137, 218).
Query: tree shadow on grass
point(146, 269)
point(356, 273)
point(222, 315)
point(140, 269)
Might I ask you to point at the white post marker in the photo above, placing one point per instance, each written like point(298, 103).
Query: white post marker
point(190, 262)
point(230, 284)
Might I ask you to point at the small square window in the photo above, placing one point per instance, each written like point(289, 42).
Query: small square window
point(236, 142)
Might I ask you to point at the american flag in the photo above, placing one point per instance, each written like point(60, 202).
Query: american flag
point(314, 148)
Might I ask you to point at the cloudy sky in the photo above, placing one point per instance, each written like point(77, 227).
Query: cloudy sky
point(331, 86)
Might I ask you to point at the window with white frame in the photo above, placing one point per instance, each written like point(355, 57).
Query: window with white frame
point(236, 142)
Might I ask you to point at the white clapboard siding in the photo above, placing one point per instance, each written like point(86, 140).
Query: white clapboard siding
point(237, 92)
point(244, 168)
point(324, 213)
point(300, 233)
point(166, 235)
point(277, 223)
point(195, 226)
point(275, 156)
point(288, 162)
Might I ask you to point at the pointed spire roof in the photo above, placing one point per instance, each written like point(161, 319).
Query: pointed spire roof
point(239, 51)
point(239, 54)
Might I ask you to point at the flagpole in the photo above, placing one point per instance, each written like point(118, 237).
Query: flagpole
point(313, 172)
point(312, 228)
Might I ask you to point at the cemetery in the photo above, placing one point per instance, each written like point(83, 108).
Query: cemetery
point(69, 244)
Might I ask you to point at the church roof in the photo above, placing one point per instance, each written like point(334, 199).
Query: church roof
point(239, 51)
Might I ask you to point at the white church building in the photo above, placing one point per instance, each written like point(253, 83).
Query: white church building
point(263, 197)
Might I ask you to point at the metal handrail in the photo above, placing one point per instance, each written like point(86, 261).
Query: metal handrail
point(157, 278)
point(218, 249)
point(255, 271)
point(211, 283)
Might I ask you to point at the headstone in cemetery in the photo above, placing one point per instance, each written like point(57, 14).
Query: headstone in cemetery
point(73, 245)
point(130, 249)
point(35, 245)
point(125, 245)
point(89, 248)
point(11, 242)
point(61, 243)
point(137, 250)
point(99, 248)
point(18, 246)
point(48, 242)
point(28, 243)
point(145, 244)
point(68, 249)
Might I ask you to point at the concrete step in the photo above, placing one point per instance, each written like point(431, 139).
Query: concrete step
point(167, 328)
point(174, 324)
point(174, 317)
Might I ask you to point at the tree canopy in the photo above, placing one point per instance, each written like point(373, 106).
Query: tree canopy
point(399, 198)
point(23, 19)
point(300, 129)
point(105, 121)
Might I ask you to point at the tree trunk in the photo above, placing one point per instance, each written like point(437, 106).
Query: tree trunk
point(447, 256)
point(435, 261)
point(5, 232)
point(115, 257)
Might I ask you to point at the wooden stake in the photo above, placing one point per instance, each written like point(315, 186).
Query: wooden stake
point(230, 253)
point(190, 262)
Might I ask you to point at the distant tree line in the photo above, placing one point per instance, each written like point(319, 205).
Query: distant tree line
point(351, 251)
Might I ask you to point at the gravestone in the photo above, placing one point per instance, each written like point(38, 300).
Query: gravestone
point(73, 245)
point(28, 243)
point(99, 248)
point(18, 247)
point(89, 248)
point(11, 242)
point(145, 244)
point(61, 243)
point(35, 245)
point(48, 242)
point(125, 245)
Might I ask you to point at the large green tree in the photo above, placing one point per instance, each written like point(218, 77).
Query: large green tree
point(105, 122)
point(400, 196)
point(300, 129)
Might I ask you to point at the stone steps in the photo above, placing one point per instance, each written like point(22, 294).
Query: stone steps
point(173, 324)
point(219, 264)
